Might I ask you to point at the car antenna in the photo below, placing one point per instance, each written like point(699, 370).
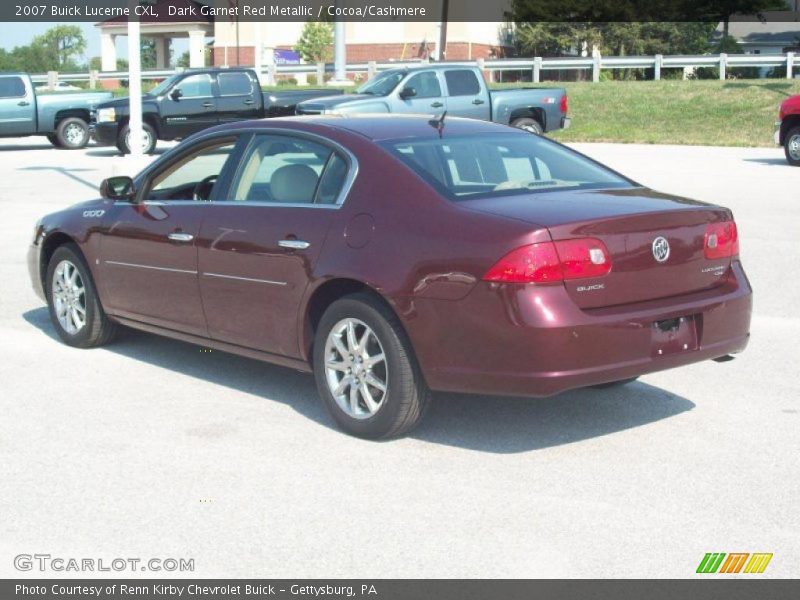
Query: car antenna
point(438, 124)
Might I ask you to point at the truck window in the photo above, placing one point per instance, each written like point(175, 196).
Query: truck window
point(426, 84)
point(235, 84)
point(196, 86)
point(11, 87)
point(462, 82)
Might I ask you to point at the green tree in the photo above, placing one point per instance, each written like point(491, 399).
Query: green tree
point(64, 43)
point(315, 42)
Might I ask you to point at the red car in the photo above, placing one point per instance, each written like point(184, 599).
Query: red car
point(787, 133)
point(396, 255)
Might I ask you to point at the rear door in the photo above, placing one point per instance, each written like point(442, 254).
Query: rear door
point(466, 96)
point(429, 98)
point(17, 106)
point(239, 97)
point(258, 247)
point(194, 110)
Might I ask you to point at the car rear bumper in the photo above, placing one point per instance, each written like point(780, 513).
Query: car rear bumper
point(534, 341)
point(104, 133)
point(565, 122)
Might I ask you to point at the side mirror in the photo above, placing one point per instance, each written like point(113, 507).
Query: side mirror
point(117, 188)
point(176, 94)
point(408, 92)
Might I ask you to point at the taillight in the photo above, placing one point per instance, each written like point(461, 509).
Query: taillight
point(552, 262)
point(564, 103)
point(721, 241)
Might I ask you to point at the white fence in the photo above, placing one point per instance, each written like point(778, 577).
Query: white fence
point(594, 64)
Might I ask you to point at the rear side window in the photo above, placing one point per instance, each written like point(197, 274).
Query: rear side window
point(11, 87)
point(288, 170)
point(235, 84)
point(462, 82)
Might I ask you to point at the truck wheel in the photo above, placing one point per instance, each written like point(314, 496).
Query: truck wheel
point(529, 125)
point(365, 369)
point(149, 139)
point(51, 137)
point(792, 147)
point(72, 133)
point(75, 308)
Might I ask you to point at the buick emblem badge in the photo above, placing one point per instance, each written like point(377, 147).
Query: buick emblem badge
point(661, 249)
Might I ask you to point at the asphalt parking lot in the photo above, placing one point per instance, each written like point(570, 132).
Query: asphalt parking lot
point(151, 448)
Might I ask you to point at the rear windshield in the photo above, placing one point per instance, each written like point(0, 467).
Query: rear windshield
point(466, 167)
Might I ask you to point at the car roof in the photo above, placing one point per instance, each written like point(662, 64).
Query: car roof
point(378, 127)
point(414, 66)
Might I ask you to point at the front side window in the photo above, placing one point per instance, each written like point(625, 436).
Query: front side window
point(426, 85)
point(382, 84)
point(464, 167)
point(11, 87)
point(235, 84)
point(462, 82)
point(288, 170)
point(196, 86)
point(192, 177)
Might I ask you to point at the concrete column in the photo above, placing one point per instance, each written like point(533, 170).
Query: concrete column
point(537, 69)
point(723, 64)
point(52, 79)
point(135, 85)
point(339, 54)
point(258, 55)
point(659, 62)
point(789, 65)
point(372, 69)
point(321, 73)
point(93, 76)
point(108, 52)
point(162, 52)
point(197, 56)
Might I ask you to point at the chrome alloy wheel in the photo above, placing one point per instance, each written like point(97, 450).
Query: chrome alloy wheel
point(146, 141)
point(793, 146)
point(355, 368)
point(69, 297)
point(74, 134)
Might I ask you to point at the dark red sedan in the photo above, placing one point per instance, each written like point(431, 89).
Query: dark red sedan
point(397, 255)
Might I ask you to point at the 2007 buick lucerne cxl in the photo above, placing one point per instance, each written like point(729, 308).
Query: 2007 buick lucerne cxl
point(394, 255)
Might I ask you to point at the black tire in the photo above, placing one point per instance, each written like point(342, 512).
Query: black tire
point(792, 138)
point(53, 139)
point(97, 329)
point(529, 124)
point(149, 132)
point(72, 133)
point(406, 395)
point(614, 384)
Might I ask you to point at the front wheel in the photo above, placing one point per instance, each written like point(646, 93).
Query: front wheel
point(149, 139)
point(53, 139)
point(792, 147)
point(528, 124)
point(75, 309)
point(72, 133)
point(365, 370)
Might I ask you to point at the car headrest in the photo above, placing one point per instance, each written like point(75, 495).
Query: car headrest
point(293, 183)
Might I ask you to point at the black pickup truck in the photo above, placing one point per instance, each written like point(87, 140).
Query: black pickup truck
point(193, 100)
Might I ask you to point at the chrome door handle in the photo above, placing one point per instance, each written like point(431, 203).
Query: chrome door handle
point(477, 101)
point(208, 104)
point(180, 237)
point(293, 244)
point(249, 102)
point(437, 105)
point(23, 103)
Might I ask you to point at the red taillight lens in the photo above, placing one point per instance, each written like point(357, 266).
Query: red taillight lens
point(550, 262)
point(583, 258)
point(564, 103)
point(721, 241)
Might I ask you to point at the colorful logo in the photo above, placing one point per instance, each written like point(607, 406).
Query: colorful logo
point(719, 562)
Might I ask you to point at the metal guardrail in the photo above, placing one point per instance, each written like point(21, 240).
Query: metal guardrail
point(535, 65)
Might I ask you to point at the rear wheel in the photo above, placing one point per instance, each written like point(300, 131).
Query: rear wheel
point(72, 133)
point(792, 147)
point(365, 370)
point(75, 309)
point(149, 139)
point(528, 124)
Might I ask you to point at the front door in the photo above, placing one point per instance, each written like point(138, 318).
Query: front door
point(17, 108)
point(189, 107)
point(427, 98)
point(466, 97)
point(257, 249)
point(148, 253)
